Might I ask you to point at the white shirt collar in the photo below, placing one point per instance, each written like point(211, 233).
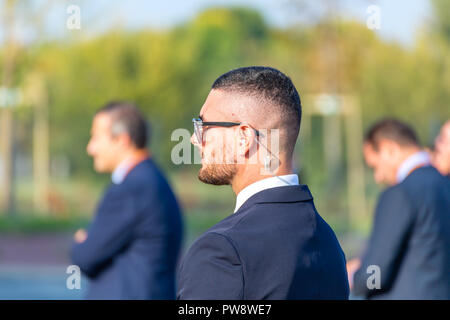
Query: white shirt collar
point(121, 172)
point(420, 158)
point(272, 182)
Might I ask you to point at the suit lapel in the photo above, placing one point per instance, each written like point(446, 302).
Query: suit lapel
point(283, 194)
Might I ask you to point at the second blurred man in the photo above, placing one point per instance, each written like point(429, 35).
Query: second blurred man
point(131, 248)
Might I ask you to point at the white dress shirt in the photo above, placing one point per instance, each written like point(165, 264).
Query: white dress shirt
point(272, 182)
point(418, 159)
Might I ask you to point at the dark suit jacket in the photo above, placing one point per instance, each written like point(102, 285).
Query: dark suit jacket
point(410, 240)
point(134, 240)
point(276, 246)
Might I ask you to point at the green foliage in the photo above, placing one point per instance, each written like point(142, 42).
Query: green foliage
point(169, 74)
point(441, 10)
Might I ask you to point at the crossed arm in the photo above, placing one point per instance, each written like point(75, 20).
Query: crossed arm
point(110, 231)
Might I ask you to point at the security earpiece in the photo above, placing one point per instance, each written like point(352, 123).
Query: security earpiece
point(267, 161)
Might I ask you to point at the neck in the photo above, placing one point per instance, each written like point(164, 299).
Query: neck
point(407, 164)
point(406, 154)
point(134, 156)
point(251, 175)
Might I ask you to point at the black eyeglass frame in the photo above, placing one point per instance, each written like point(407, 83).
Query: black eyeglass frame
point(198, 130)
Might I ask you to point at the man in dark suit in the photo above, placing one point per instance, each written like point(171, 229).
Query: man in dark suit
point(275, 245)
point(408, 254)
point(131, 248)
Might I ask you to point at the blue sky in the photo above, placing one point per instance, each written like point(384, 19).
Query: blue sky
point(400, 19)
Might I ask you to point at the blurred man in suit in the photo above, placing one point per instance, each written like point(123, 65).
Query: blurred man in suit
point(131, 248)
point(408, 255)
point(441, 156)
point(275, 245)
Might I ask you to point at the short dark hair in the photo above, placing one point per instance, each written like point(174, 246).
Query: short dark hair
point(271, 85)
point(393, 130)
point(126, 117)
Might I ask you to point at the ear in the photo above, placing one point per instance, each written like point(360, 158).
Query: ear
point(387, 147)
point(394, 148)
point(124, 140)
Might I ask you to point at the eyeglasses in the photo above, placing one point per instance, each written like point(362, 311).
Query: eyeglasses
point(199, 124)
point(198, 129)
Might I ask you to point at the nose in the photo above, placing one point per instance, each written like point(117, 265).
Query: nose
point(90, 148)
point(194, 140)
